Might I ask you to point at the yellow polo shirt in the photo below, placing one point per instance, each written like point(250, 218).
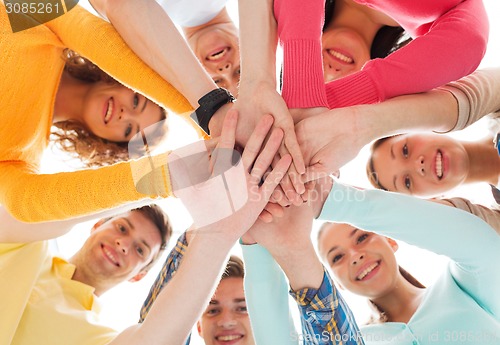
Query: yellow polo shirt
point(41, 304)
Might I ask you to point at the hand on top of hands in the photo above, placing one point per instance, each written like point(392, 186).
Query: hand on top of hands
point(329, 140)
point(232, 191)
point(254, 102)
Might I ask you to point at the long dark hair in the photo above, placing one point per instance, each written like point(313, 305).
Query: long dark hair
point(387, 40)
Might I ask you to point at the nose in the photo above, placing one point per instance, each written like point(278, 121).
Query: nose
point(419, 165)
point(227, 320)
point(332, 72)
point(358, 258)
point(122, 245)
point(224, 67)
point(125, 113)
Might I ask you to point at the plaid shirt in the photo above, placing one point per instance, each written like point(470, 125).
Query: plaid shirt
point(326, 319)
point(168, 270)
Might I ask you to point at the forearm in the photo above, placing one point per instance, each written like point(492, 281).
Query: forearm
point(477, 95)
point(99, 41)
point(457, 40)
point(452, 107)
point(258, 40)
point(169, 268)
point(267, 299)
point(300, 29)
point(32, 197)
point(435, 110)
point(150, 33)
point(490, 216)
point(415, 221)
point(15, 231)
point(181, 302)
point(301, 265)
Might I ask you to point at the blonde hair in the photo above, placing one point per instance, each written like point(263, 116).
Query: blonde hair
point(72, 138)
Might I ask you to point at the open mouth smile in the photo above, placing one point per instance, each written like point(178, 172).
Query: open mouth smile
point(110, 256)
point(341, 57)
point(439, 165)
point(229, 338)
point(367, 270)
point(218, 54)
point(109, 111)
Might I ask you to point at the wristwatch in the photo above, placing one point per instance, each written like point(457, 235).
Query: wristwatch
point(209, 104)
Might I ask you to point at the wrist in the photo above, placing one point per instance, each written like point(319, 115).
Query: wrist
point(210, 104)
point(256, 82)
point(216, 121)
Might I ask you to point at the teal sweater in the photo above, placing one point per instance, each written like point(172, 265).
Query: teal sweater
point(462, 306)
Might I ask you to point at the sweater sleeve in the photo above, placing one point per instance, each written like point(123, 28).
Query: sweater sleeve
point(452, 48)
point(33, 197)
point(98, 41)
point(267, 299)
point(470, 242)
point(299, 30)
point(477, 95)
point(490, 216)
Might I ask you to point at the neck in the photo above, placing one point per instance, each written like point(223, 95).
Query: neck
point(69, 98)
point(83, 276)
point(484, 162)
point(401, 302)
point(221, 18)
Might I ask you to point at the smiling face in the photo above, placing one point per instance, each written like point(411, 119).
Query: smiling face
point(362, 262)
point(217, 48)
point(113, 112)
point(226, 320)
point(117, 250)
point(420, 164)
point(344, 52)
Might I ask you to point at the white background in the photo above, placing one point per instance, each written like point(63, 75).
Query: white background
point(121, 305)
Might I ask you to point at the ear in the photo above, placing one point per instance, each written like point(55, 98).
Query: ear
point(394, 245)
point(138, 276)
point(198, 327)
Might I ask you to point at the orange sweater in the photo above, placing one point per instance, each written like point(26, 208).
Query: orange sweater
point(30, 72)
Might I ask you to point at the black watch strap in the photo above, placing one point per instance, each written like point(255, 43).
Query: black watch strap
point(209, 104)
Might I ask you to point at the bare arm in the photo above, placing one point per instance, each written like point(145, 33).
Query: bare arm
point(333, 138)
point(170, 317)
point(148, 30)
point(15, 231)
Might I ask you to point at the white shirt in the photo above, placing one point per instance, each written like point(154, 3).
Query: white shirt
point(192, 12)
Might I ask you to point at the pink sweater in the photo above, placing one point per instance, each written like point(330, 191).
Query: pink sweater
point(449, 41)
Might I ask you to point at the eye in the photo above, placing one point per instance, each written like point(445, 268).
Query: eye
point(362, 238)
point(136, 100)
point(212, 312)
point(407, 182)
point(238, 71)
point(217, 81)
point(122, 229)
point(405, 151)
point(140, 251)
point(336, 258)
point(128, 130)
point(242, 309)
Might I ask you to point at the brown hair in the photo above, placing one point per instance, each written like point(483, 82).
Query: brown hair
point(234, 268)
point(71, 137)
point(370, 169)
point(379, 315)
point(160, 219)
point(388, 39)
